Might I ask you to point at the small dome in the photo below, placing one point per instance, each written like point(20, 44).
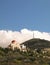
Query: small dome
point(13, 41)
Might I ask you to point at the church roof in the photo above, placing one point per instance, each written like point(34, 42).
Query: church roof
point(13, 41)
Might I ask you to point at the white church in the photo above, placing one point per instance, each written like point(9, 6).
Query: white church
point(14, 45)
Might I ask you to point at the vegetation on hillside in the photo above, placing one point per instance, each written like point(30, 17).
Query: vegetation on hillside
point(17, 57)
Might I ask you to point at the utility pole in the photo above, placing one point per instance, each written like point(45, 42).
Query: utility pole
point(33, 34)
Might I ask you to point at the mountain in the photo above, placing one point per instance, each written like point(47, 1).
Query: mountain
point(37, 43)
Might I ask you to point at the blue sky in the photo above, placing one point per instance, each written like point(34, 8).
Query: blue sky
point(30, 14)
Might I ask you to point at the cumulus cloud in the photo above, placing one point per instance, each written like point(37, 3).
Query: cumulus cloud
point(7, 36)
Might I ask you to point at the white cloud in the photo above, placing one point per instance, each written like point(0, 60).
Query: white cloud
point(24, 35)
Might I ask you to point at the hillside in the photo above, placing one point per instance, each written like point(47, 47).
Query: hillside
point(31, 57)
point(37, 43)
point(16, 57)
